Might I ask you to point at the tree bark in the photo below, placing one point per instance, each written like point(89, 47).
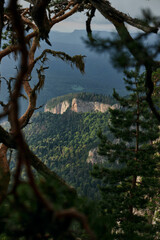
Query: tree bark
point(4, 172)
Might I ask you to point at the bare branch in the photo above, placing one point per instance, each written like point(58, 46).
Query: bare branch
point(7, 139)
point(90, 15)
point(64, 16)
point(111, 13)
point(27, 21)
point(74, 214)
point(1, 17)
point(4, 173)
point(75, 60)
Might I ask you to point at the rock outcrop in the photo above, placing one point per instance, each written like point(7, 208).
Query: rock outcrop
point(59, 108)
point(94, 157)
point(80, 106)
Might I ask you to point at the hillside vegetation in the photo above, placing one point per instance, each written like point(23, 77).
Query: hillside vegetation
point(64, 141)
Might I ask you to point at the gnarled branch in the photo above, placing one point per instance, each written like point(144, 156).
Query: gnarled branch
point(111, 13)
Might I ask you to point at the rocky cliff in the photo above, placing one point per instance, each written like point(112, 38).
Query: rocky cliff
point(80, 106)
point(59, 108)
point(94, 157)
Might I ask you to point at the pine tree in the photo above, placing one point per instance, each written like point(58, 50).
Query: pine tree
point(130, 187)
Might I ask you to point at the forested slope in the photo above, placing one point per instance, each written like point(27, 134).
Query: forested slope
point(63, 143)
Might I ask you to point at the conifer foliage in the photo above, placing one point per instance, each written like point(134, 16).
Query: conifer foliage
point(130, 187)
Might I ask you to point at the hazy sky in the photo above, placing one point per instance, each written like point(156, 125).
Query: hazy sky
point(131, 7)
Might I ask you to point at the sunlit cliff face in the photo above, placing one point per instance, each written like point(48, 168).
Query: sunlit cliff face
point(80, 106)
